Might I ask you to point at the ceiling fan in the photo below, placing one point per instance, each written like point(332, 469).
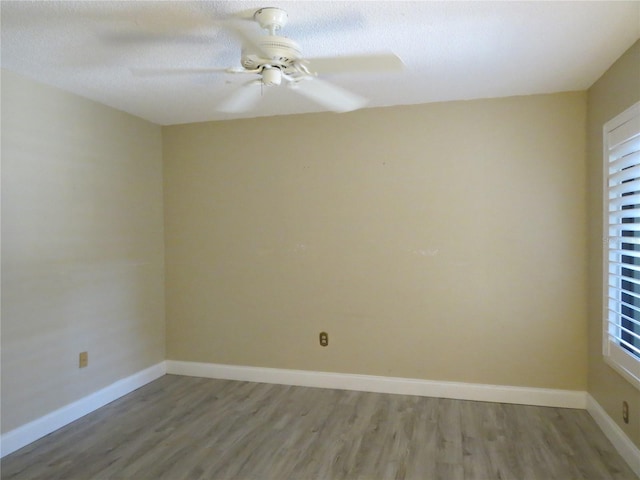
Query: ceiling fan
point(276, 60)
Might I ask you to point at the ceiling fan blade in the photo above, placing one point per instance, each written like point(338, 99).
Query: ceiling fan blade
point(154, 37)
point(329, 95)
point(246, 14)
point(383, 62)
point(242, 99)
point(248, 39)
point(152, 72)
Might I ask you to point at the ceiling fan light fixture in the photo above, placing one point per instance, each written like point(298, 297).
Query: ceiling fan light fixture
point(271, 76)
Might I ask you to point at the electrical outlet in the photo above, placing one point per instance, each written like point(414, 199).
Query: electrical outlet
point(83, 360)
point(625, 412)
point(324, 339)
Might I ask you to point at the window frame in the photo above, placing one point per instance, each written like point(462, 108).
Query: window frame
point(618, 357)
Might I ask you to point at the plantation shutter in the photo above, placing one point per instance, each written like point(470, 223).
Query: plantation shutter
point(622, 262)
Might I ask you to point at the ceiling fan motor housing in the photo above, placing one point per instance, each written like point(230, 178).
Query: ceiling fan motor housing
point(283, 53)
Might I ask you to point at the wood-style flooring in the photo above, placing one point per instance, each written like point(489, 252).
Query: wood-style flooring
point(195, 428)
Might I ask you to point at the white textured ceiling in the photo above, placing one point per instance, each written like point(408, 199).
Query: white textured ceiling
point(452, 50)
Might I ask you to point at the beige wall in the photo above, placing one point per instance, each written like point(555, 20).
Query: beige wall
point(614, 92)
point(82, 248)
point(441, 241)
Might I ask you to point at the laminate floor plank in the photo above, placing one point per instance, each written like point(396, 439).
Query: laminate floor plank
point(187, 428)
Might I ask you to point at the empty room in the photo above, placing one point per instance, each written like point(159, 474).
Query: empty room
point(320, 240)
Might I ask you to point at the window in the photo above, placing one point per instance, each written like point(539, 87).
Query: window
point(621, 336)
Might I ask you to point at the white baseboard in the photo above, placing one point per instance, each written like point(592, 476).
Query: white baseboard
point(623, 444)
point(371, 383)
point(32, 431)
